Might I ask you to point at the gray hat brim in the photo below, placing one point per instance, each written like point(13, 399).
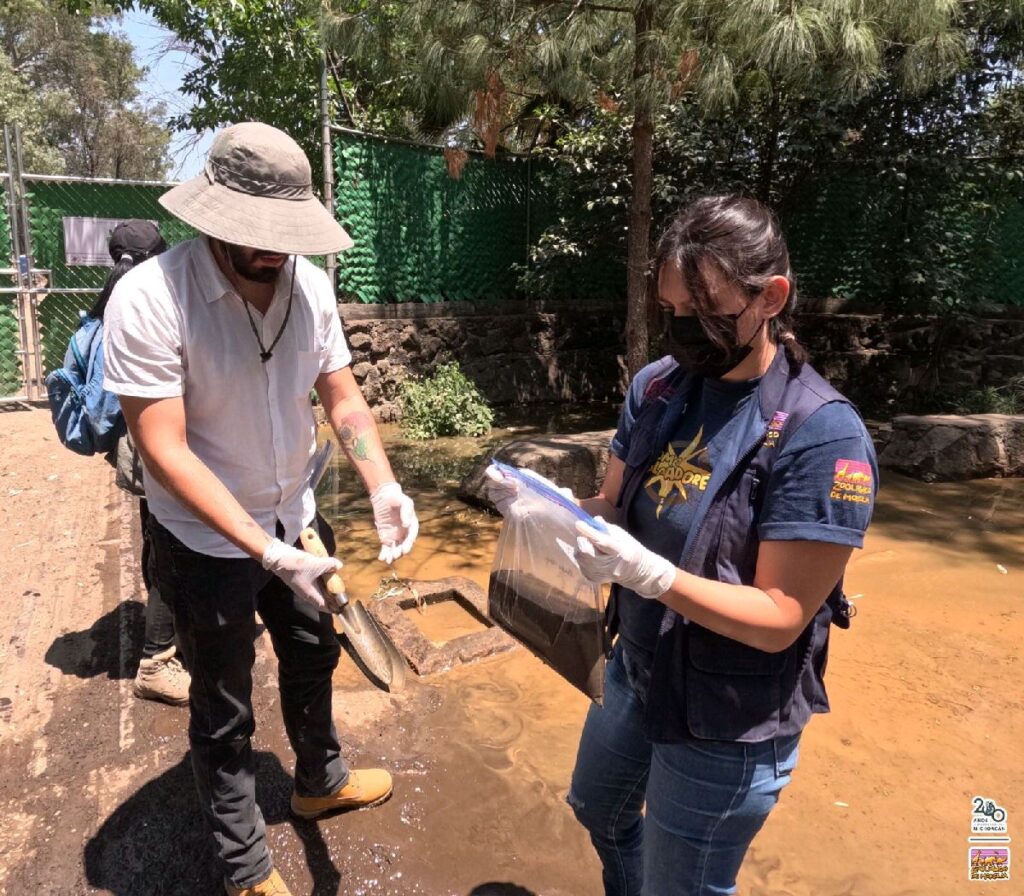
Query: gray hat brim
point(289, 226)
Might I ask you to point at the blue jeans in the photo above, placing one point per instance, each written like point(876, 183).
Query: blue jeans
point(215, 601)
point(705, 799)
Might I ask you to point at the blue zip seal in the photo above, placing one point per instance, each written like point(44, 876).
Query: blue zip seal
point(553, 495)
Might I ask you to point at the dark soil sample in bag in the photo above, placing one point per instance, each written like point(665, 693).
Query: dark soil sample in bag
point(563, 632)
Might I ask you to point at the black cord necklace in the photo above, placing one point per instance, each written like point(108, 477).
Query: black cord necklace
point(267, 353)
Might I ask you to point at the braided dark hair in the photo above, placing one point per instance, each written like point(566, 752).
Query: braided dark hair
point(742, 239)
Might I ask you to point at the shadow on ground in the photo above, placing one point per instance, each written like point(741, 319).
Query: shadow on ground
point(983, 517)
point(500, 889)
point(96, 650)
point(154, 843)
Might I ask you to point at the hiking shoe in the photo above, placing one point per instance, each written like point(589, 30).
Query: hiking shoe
point(162, 677)
point(366, 787)
point(272, 886)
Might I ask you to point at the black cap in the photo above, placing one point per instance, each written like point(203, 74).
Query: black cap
point(139, 239)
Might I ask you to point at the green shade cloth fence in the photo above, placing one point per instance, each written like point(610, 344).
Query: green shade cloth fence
point(910, 233)
point(421, 234)
point(49, 202)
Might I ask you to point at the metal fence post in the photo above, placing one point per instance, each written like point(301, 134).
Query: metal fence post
point(20, 306)
point(328, 163)
point(34, 356)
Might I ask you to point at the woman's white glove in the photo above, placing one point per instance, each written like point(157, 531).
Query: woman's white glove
point(502, 491)
point(616, 556)
point(395, 518)
point(300, 571)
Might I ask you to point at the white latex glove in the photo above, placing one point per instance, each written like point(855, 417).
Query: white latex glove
point(300, 571)
point(503, 490)
point(616, 556)
point(395, 519)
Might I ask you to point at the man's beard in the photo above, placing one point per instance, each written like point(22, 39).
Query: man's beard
point(245, 265)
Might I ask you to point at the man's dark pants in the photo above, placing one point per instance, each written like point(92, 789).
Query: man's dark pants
point(214, 602)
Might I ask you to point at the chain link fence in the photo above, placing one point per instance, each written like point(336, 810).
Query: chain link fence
point(917, 234)
point(12, 376)
point(900, 234)
point(68, 283)
point(53, 238)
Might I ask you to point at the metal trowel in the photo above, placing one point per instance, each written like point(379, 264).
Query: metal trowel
point(376, 654)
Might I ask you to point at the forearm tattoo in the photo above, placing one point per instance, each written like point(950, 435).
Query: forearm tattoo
point(354, 435)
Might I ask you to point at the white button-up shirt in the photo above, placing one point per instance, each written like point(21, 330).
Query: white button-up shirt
point(175, 327)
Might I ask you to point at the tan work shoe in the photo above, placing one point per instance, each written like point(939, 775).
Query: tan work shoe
point(366, 787)
point(272, 886)
point(162, 677)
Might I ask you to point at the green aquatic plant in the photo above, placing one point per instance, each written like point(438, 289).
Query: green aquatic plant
point(444, 404)
point(1005, 399)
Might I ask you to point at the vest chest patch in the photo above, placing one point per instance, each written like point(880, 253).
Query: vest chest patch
point(775, 427)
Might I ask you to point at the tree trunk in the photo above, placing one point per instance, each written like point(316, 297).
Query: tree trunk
point(639, 240)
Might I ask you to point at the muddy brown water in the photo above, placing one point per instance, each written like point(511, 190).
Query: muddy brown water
point(444, 621)
point(926, 691)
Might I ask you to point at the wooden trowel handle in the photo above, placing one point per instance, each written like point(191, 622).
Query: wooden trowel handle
point(312, 543)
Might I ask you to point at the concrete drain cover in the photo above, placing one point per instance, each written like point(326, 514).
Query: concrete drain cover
point(456, 632)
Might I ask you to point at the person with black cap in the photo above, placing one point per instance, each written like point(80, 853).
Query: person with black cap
point(160, 676)
point(213, 349)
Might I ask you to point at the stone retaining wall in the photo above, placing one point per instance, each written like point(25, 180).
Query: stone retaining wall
point(514, 352)
point(532, 352)
point(891, 362)
point(949, 448)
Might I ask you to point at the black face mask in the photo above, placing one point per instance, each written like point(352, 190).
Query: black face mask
point(688, 343)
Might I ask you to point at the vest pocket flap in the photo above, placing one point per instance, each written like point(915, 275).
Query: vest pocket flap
point(709, 652)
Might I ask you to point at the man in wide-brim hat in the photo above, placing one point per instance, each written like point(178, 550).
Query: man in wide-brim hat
point(213, 348)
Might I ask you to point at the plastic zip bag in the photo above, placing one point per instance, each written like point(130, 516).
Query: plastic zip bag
point(536, 591)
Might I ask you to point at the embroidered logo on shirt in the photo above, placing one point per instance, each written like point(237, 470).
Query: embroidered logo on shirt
point(852, 482)
point(775, 428)
point(676, 475)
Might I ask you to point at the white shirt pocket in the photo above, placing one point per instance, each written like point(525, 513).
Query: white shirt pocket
point(307, 369)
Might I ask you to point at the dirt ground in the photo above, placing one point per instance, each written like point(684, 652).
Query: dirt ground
point(96, 794)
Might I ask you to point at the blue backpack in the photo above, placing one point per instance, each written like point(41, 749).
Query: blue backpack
point(88, 418)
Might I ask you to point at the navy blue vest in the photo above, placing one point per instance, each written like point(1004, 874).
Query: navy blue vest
point(704, 685)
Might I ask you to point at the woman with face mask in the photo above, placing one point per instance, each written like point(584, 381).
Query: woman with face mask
point(739, 484)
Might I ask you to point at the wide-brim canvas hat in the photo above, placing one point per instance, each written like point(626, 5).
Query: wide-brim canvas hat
point(256, 190)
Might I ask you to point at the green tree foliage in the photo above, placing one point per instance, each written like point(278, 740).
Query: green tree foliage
point(18, 105)
point(502, 66)
point(252, 61)
point(72, 85)
point(646, 102)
